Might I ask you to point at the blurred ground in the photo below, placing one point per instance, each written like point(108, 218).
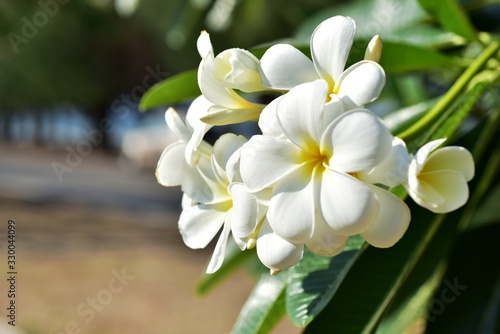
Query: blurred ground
point(74, 237)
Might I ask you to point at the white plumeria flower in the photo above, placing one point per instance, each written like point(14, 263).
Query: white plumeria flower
point(393, 170)
point(218, 77)
point(230, 207)
point(284, 67)
point(317, 199)
point(437, 178)
point(173, 169)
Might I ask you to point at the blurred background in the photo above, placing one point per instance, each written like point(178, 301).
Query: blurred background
point(78, 158)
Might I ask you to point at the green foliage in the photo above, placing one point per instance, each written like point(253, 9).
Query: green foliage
point(265, 305)
point(313, 281)
point(451, 16)
point(174, 89)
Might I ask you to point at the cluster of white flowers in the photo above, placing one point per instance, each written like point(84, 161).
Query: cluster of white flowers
point(320, 170)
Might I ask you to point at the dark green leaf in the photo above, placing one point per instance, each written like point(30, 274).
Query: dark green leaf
point(234, 259)
point(451, 16)
point(374, 279)
point(382, 17)
point(264, 307)
point(175, 89)
point(313, 281)
point(398, 57)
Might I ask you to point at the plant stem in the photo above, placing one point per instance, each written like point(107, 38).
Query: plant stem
point(452, 93)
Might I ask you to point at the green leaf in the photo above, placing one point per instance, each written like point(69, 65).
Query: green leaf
point(451, 16)
point(425, 36)
point(382, 17)
point(398, 57)
point(175, 89)
point(313, 281)
point(449, 121)
point(233, 260)
point(264, 307)
point(399, 120)
point(374, 279)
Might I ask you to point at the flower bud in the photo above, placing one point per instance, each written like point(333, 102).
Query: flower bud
point(374, 49)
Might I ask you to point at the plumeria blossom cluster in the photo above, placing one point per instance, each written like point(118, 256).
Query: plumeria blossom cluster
point(321, 169)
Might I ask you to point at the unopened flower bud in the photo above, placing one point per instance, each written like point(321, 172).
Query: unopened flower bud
point(374, 49)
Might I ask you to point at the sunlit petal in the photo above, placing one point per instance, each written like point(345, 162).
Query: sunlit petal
point(451, 185)
point(244, 217)
point(268, 120)
point(204, 45)
point(348, 205)
point(361, 83)
point(291, 210)
point(219, 251)
point(176, 125)
point(391, 223)
point(199, 225)
point(224, 148)
point(451, 158)
point(264, 160)
point(393, 170)
point(330, 46)
point(275, 252)
point(358, 140)
point(324, 240)
point(171, 164)
point(424, 151)
point(300, 113)
point(284, 67)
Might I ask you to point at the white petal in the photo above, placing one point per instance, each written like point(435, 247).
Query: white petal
point(223, 116)
point(268, 120)
point(330, 46)
point(176, 125)
point(224, 148)
point(244, 214)
point(197, 109)
point(300, 113)
point(358, 140)
point(423, 193)
point(219, 251)
point(361, 83)
point(424, 151)
point(275, 252)
point(451, 185)
point(193, 152)
point(204, 45)
point(199, 224)
point(238, 69)
point(215, 91)
point(264, 160)
point(324, 240)
point(393, 170)
point(451, 158)
point(348, 205)
point(392, 221)
point(198, 182)
point(291, 210)
point(171, 164)
point(284, 67)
